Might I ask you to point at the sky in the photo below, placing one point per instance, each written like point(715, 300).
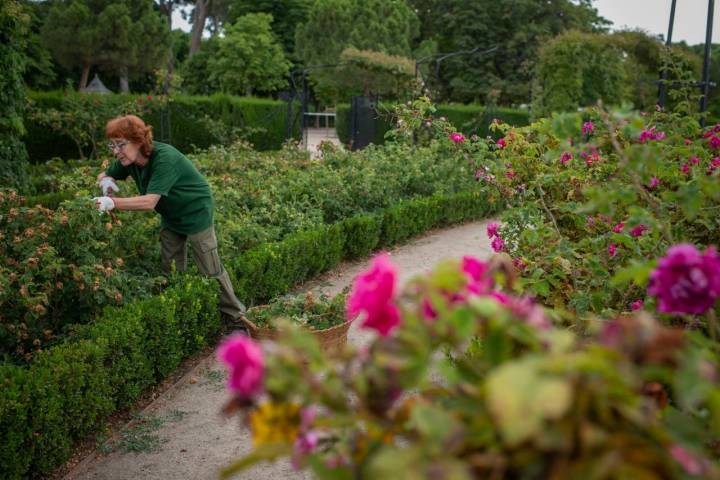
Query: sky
point(650, 15)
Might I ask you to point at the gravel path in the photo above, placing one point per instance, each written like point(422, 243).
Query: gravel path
point(185, 437)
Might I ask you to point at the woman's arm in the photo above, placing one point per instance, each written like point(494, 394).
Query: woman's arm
point(142, 202)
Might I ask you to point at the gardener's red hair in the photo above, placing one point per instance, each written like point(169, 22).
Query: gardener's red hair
point(132, 128)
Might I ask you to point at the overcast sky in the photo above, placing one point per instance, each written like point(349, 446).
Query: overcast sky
point(650, 15)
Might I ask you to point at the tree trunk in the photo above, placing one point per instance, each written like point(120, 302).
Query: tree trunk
point(199, 17)
point(124, 84)
point(84, 76)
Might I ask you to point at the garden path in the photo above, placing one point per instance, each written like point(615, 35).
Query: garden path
point(192, 440)
point(315, 136)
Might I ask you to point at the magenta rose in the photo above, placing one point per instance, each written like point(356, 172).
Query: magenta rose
point(686, 281)
point(457, 137)
point(373, 293)
point(244, 358)
point(492, 230)
point(588, 128)
point(478, 282)
point(501, 143)
point(498, 244)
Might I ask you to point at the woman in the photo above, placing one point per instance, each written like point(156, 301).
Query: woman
point(171, 185)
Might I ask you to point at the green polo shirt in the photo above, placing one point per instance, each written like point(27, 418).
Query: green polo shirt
point(186, 203)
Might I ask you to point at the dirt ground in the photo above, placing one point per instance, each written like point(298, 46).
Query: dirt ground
point(182, 434)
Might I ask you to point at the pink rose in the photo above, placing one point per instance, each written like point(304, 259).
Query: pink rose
point(636, 305)
point(492, 230)
point(686, 281)
point(588, 128)
point(244, 359)
point(691, 463)
point(654, 182)
point(457, 137)
point(638, 231)
point(498, 245)
point(501, 143)
point(694, 160)
point(714, 142)
point(685, 169)
point(476, 273)
point(565, 157)
point(510, 174)
point(618, 228)
point(373, 293)
point(612, 250)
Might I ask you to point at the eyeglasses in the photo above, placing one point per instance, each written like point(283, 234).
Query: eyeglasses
point(117, 146)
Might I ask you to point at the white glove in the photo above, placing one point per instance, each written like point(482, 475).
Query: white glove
point(104, 204)
point(108, 185)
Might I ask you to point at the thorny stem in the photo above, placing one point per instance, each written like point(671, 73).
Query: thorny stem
point(547, 210)
point(625, 162)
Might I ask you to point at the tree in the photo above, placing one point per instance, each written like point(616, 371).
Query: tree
point(13, 156)
point(135, 39)
point(214, 10)
point(386, 26)
point(365, 72)
point(249, 59)
point(576, 70)
point(123, 37)
point(517, 28)
point(287, 15)
point(71, 35)
point(195, 70)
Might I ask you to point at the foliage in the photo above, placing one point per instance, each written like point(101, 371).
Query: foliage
point(127, 37)
point(47, 282)
point(195, 70)
point(13, 156)
point(365, 72)
point(70, 387)
point(468, 119)
point(334, 25)
point(249, 59)
point(179, 120)
point(68, 390)
point(304, 309)
point(504, 75)
point(578, 69)
point(476, 385)
point(593, 197)
point(286, 16)
point(82, 117)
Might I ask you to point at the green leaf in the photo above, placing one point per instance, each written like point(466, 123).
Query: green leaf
point(637, 272)
point(433, 423)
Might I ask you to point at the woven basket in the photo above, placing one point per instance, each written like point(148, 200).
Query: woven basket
point(331, 339)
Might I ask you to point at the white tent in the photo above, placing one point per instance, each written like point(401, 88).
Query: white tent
point(96, 86)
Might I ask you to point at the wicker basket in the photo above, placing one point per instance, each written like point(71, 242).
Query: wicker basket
point(331, 339)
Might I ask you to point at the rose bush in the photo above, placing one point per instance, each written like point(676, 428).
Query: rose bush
point(590, 209)
point(484, 388)
point(260, 197)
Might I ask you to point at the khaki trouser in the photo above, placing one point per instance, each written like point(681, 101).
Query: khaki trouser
point(205, 253)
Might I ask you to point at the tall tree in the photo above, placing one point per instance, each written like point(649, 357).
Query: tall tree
point(287, 15)
point(166, 8)
point(135, 39)
point(249, 59)
point(517, 28)
point(386, 26)
point(71, 35)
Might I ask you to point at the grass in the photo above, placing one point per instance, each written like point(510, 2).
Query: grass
point(141, 436)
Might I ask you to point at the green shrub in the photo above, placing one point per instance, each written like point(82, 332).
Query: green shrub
point(13, 156)
point(68, 389)
point(187, 122)
point(468, 119)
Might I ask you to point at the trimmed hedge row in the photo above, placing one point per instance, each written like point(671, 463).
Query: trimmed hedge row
point(105, 366)
point(185, 128)
point(469, 119)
